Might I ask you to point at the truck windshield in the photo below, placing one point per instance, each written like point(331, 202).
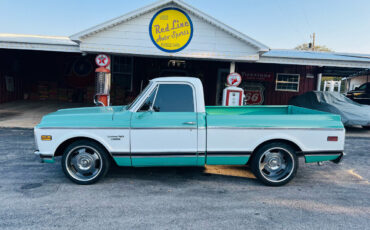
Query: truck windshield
point(132, 104)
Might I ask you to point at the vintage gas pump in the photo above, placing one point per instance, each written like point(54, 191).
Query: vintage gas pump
point(103, 80)
point(233, 95)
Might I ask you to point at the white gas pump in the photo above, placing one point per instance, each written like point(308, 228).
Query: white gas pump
point(233, 95)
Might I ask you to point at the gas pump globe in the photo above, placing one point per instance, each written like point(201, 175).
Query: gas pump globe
point(103, 81)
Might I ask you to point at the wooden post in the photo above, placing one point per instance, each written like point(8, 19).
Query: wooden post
point(318, 87)
point(232, 67)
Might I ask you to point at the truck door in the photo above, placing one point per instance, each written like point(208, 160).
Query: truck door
point(164, 128)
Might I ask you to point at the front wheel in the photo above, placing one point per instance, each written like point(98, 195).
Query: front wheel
point(275, 164)
point(85, 162)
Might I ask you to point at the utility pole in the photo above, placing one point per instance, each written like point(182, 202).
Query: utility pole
point(313, 41)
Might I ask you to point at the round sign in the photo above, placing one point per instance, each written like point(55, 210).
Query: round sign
point(102, 60)
point(234, 79)
point(171, 29)
point(82, 67)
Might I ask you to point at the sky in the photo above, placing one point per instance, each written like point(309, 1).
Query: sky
point(341, 25)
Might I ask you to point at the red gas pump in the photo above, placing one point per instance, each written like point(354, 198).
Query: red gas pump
point(103, 80)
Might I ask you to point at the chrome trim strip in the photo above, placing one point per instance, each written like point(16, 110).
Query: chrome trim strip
point(322, 152)
point(118, 128)
point(145, 154)
point(228, 155)
point(323, 155)
point(274, 128)
point(210, 127)
point(162, 156)
point(84, 128)
point(178, 127)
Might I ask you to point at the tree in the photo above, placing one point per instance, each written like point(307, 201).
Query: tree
point(306, 46)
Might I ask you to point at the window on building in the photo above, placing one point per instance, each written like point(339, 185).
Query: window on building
point(287, 82)
point(174, 98)
point(122, 72)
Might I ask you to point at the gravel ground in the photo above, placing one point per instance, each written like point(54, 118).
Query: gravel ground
point(39, 196)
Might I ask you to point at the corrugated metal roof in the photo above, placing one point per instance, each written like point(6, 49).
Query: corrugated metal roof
point(317, 55)
point(40, 39)
point(38, 42)
point(315, 58)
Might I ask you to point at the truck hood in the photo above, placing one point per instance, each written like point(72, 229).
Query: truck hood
point(81, 117)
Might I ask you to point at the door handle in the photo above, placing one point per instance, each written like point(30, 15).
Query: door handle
point(189, 123)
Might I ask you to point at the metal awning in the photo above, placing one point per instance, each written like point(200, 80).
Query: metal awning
point(38, 42)
point(342, 72)
point(345, 63)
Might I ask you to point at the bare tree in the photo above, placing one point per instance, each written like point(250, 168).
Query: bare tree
point(308, 46)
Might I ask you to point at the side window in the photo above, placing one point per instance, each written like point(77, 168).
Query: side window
point(174, 98)
point(148, 102)
point(362, 86)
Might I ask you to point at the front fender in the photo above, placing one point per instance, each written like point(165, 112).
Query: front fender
point(102, 136)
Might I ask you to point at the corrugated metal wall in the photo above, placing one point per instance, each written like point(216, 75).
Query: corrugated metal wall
point(273, 97)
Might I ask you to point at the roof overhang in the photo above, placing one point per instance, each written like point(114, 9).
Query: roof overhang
point(38, 42)
point(297, 57)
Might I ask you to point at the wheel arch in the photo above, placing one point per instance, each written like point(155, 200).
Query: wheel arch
point(296, 147)
point(62, 146)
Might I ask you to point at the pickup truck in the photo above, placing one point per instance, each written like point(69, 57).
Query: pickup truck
point(168, 124)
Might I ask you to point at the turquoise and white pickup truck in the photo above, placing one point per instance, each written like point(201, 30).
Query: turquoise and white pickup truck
point(168, 124)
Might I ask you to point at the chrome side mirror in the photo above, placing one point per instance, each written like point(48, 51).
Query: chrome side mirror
point(151, 109)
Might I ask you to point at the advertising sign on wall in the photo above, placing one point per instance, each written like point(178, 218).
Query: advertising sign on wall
point(171, 29)
point(255, 76)
point(254, 94)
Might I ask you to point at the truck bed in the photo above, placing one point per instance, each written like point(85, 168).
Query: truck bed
point(270, 117)
point(235, 132)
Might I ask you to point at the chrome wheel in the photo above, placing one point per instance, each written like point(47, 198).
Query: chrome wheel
point(276, 164)
point(83, 163)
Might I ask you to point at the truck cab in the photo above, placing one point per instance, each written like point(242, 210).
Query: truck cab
point(168, 123)
point(360, 94)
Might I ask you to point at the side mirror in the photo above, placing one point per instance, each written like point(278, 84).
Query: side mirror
point(145, 113)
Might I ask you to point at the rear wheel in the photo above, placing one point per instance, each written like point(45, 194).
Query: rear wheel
point(275, 164)
point(85, 162)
